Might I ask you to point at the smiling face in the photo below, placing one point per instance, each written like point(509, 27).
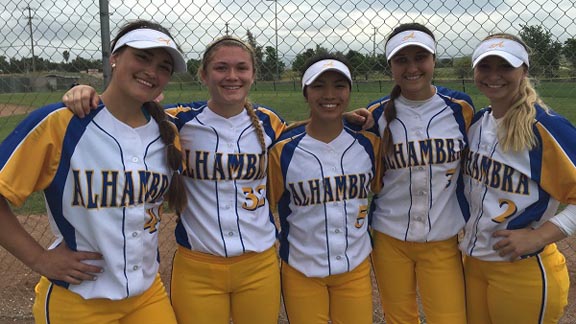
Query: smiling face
point(228, 74)
point(412, 69)
point(142, 74)
point(498, 80)
point(328, 96)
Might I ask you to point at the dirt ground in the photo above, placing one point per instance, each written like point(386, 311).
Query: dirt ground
point(17, 281)
point(12, 109)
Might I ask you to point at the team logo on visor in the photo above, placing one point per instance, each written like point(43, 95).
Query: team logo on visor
point(495, 45)
point(409, 36)
point(163, 40)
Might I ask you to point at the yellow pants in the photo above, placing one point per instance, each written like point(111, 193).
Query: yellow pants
point(343, 298)
point(434, 268)
point(532, 290)
point(57, 305)
point(208, 289)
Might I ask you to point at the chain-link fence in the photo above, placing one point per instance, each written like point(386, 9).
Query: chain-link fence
point(47, 45)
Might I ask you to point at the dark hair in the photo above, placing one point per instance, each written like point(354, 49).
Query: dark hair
point(390, 109)
point(324, 56)
point(410, 26)
point(176, 196)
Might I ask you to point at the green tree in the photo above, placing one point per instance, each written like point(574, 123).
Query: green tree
point(192, 65)
point(381, 64)
point(272, 64)
point(463, 67)
point(66, 56)
point(361, 65)
point(4, 65)
point(259, 55)
point(545, 60)
point(81, 64)
point(569, 51)
point(301, 58)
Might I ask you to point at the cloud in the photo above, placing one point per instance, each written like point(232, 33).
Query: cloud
point(334, 24)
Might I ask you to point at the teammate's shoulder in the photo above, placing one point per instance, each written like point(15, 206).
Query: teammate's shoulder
point(49, 109)
point(265, 111)
point(481, 113)
point(53, 111)
point(184, 112)
point(453, 95)
point(378, 103)
point(177, 108)
point(291, 133)
point(360, 133)
point(550, 118)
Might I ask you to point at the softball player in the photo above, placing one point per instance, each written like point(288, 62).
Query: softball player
point(520, 166)
point(226, 264)
point(421, 208)
point(320, 176)
point(104, 178)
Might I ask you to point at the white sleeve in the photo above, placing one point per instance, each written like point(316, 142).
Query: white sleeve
point(566, 220)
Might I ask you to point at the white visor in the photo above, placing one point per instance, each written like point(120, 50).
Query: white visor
point(408, 38)
point(150, 38)
point(512, 51)
point(316, 69)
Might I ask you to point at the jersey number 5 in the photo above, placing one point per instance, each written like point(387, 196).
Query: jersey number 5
point(152, 224)
point(361, 218)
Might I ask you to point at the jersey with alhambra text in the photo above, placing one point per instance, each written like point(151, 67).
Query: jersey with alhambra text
point(321, 191)
point(516, 189)
point(227, 212)
point(422, 198)
point(103, 182)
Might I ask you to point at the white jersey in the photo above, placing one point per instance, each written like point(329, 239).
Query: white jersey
point(321, 190)
point(227, 213)
point(513, 190)
point(422, 197)
point(103, 182)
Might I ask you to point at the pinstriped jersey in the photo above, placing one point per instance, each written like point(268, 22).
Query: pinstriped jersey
point(227, 213)
point(103, 182)
point(513, 190)
point(422, 197)
point(321, 192)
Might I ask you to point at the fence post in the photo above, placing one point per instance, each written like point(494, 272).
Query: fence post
point(105, 36)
